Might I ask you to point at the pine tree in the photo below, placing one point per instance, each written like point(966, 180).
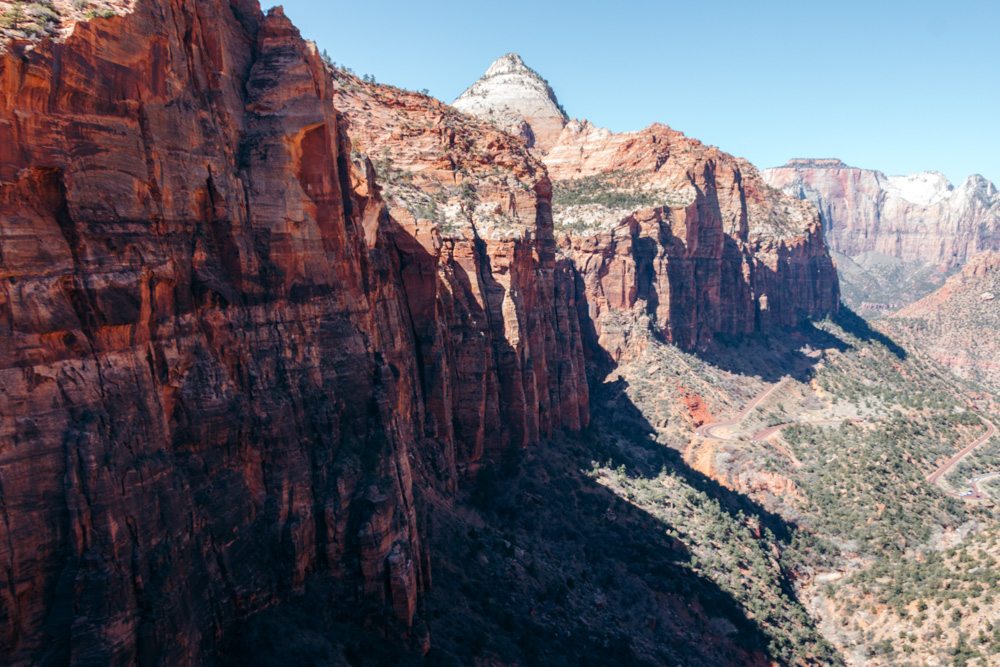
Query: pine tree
point(15, 16)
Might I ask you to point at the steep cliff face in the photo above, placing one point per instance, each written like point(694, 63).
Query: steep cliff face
point(916, 217)
point(685, 234)
point(235, 342)
point(223, 355)
point(492, 305)
point(666, 230)
point(208, 389)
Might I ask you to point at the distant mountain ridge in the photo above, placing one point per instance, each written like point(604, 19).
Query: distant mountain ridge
point(917, 217)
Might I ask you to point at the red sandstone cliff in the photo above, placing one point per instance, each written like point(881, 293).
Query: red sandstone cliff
point(209, 391)
point(492, 304)
point(235, 343)
point(225, 360)
point(708, 251)
point(664, 228)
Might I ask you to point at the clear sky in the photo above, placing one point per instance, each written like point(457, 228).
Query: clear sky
point(883, 84)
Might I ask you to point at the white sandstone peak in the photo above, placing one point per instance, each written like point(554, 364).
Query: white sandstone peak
point(925, 188)
point(518, 99)
point(509, 64)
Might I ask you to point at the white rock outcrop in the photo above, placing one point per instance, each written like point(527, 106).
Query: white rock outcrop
point(518, 100)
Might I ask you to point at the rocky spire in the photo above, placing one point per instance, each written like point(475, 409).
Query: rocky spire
point(519, 99)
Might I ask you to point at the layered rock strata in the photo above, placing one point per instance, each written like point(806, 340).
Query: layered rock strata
point(667, 233)
point(493, 305)
point(689, 237)
point(916, 217)
point(235, 341)
point(226, 361)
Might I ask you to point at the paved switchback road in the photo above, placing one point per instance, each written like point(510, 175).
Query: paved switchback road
point(707, 430)
point(950, 463)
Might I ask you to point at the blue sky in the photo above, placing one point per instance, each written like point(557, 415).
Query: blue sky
point(895, 86)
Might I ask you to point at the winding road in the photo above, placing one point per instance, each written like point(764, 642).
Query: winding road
point(708, 431)
point(974, 492)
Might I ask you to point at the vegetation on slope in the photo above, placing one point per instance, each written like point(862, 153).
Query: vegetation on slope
point(876, 285)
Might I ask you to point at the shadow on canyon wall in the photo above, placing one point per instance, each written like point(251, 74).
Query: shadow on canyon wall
point(536, 563)
point(784, 351)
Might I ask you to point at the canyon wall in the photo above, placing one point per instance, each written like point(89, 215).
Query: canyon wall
point(916, 217)
point(225, 361)
point(484, 284)
point(258, 308)
point(705, 249)
point(667, 235)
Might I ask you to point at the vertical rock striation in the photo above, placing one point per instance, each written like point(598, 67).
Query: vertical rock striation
point(700, 245)
point(224, 361)
point(208, 387)
point(237, 350)
point(662, 228)
point(916, 217)
point(492, 303)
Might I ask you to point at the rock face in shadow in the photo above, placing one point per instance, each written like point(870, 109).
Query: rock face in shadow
point(238, 351)
point(224, 361)
point(691, 291)
point(492, 304)
point(916, 217)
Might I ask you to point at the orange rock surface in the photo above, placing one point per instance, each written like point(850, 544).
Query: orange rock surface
point(724, 255)
point(492, 304)
point(251, 305)
point(223, 356)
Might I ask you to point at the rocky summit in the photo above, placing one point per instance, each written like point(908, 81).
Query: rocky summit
point(519, 100)
point(661, 224)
